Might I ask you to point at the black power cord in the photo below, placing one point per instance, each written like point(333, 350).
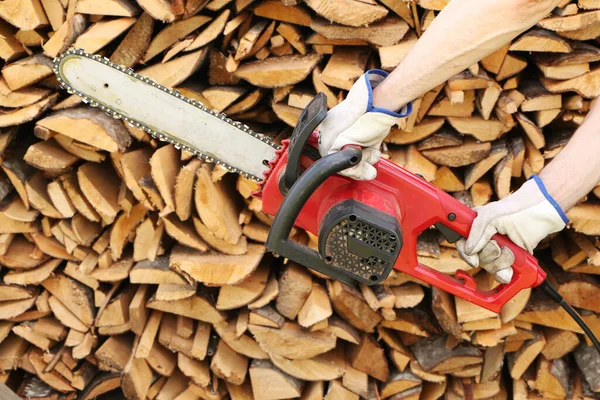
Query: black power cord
point(554, 295)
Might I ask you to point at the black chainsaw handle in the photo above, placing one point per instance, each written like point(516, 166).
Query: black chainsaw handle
point(278, 240)
point(314, 113)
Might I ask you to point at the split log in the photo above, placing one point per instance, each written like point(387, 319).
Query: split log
point(27, 114)
point(27, 71)
point(558, 343)
point(267, 380)
point(90, 126)
point(541, 40)
point(475, 171)
point(327, 366)
point(349, 12)
point(291, 342)
point(216, 269)
point(432, 355)
point(100, 186)
point(217, 207)
point(20, 97)
point(368, 357)
point(245, 292)
point(278, 11)
point(344, 67)
point(155, 272)
point(243, 344)
point(160, 10)
point(458, 156)
point(278, 72)
point(350, 304)
point(177, 70)
point(519, 362)
point(73, 295)
point(387, 32)
point(211, 32)
point(195, 307)
point(585, 85)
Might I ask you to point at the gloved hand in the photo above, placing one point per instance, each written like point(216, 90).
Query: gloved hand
point(526, 216)
point(356, 121)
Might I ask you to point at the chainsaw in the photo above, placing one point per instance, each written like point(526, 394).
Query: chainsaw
point(365, 229)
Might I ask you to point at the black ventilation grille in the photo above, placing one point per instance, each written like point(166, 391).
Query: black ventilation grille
point(371, 235)
point(361, 241)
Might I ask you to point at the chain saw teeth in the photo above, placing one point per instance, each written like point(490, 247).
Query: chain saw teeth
point(140, 125)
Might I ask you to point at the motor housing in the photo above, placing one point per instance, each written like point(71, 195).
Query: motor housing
point(361, 240)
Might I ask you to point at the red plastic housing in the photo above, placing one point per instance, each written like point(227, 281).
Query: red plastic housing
point(417, 205)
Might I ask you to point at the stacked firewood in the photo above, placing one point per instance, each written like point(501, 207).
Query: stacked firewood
point(130, 267)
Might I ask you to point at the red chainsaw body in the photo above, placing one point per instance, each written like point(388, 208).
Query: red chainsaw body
point(417, 205)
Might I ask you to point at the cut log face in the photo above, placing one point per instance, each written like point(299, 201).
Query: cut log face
point(211, 32)
point(245, 292)
point(90, 126)
point(219, 209)
point(351, 305)
point(349, 12)
point(49, 156)
point(459, 156)
point(100, 185)
point(383, 33)
point(175, 71)
point(21, 255)
point(73, 295)
point(217, 269)
point(20, 97)
point(279, 71)
point(27, 71)
point(420, 132)
point(194, 307)
point(344, 67)
point(585, 85)
point(498, 151)
point(541, 40)
point(26, 15)
point(268, 381)
point(306, 344)
point(172, 33)
point(155, 272)
point(102, 33)
point(122, 8)
point(27, 114)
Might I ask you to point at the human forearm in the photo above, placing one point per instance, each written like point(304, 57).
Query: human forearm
point(530, 213)
point(576, 169)
point(462, 34)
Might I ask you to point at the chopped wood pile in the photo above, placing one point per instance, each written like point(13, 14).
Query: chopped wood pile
point(131, 267)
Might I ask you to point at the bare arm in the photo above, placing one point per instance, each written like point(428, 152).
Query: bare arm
point(575, 171)
point(465, 32)
point(461, 35)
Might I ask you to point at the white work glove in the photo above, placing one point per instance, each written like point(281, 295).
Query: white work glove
point(356, 121)
point(526, 217)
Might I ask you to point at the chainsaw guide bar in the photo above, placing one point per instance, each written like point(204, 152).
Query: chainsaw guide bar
point(226, 138)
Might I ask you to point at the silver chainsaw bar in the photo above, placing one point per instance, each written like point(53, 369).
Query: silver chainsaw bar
point(164, 113)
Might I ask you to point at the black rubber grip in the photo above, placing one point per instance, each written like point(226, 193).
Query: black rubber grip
point(311, 117)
